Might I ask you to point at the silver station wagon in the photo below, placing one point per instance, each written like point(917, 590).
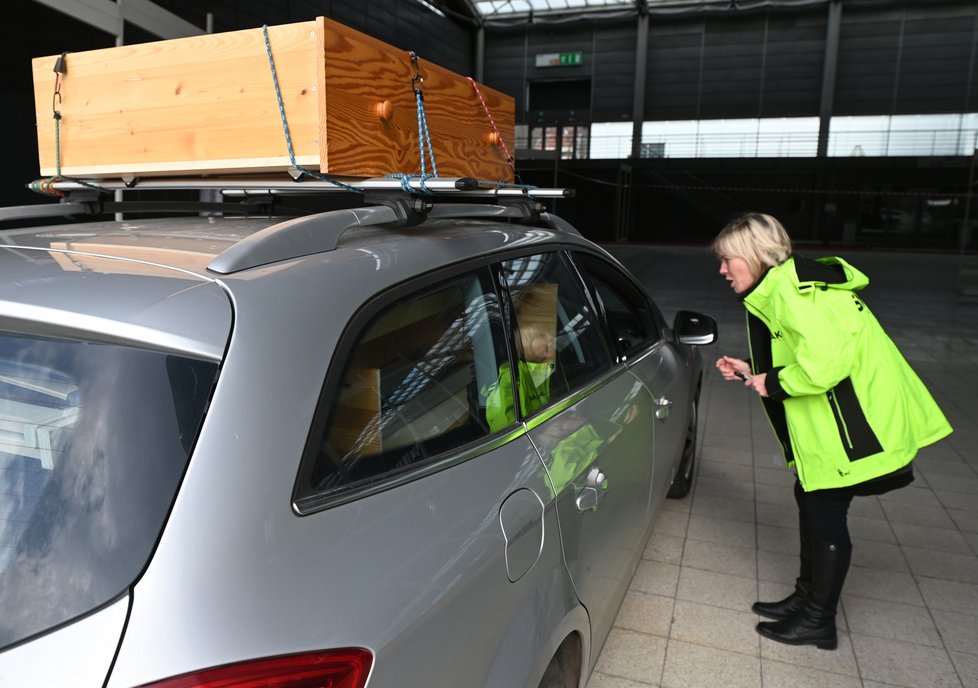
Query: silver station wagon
point(414, 443)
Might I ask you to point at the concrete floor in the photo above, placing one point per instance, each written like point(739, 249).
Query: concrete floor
point(909, 610)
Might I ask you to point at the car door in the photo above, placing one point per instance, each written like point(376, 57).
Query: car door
point(639, 343)
point(591, 421)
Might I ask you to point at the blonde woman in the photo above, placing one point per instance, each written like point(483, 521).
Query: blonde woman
point(847, 409)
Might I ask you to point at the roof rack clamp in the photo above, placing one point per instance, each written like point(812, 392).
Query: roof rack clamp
point(410, 210)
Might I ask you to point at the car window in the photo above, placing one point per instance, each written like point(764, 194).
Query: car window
point(559, 343)
point(94, 439)
point(626, 308)
point(415, 384)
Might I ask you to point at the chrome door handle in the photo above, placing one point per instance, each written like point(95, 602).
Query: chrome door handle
point(662, 406)
point(594, 490)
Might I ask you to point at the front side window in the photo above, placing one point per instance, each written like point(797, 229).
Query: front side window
point(94, 439)
point(559, 344)
point(627, 310)
point(415, 385)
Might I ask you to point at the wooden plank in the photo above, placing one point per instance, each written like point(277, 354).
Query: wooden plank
point(361, 73)
point(206, 104)
point(201, 104)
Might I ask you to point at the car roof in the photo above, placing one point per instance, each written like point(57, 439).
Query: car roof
point(154, 281)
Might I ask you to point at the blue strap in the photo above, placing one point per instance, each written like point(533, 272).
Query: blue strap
point(285, 123)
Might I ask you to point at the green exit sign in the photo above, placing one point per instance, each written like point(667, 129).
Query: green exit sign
point(573, 59)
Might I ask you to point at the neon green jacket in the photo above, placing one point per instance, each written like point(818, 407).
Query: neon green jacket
point(853, 409)
point(534, 386)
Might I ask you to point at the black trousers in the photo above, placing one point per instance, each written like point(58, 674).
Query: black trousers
point(826, 513)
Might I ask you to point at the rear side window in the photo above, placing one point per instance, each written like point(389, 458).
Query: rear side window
point(414, 386)
point(94, 439)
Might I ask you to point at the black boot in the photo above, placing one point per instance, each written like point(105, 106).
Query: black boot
point(814, 623)
point(782, 609)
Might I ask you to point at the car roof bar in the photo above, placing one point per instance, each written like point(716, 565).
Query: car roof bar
point(277, 185)
point(321, 232)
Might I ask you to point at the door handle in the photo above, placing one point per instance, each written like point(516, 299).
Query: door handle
point(662, 406)
point(594, 490)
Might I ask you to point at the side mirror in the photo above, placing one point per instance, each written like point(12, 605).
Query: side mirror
point(694, 328)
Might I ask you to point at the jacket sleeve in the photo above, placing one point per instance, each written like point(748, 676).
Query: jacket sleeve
point(822, 329)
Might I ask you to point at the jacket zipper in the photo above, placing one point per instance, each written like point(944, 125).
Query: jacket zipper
point(838, 414)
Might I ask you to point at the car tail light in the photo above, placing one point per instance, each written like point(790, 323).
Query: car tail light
point(347, 668)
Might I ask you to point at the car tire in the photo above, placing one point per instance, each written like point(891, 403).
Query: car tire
point(683, 482)
point(554, 676)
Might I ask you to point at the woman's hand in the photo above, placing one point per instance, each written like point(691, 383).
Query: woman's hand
point(729, 367)
point(756, 383)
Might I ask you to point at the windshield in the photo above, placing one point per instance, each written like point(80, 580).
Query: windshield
point(94, 439)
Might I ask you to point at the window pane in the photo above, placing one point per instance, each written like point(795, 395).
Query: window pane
point(558, 340)
point(417, 383)
point(94, 439)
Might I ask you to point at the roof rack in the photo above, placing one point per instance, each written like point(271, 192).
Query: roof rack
point(304, 185)
point(321, 232)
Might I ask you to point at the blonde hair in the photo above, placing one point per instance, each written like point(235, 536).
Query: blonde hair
point(757, 238)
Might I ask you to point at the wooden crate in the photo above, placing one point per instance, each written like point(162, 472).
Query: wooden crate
point(207, 105)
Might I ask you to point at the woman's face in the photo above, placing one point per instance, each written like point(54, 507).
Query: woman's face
point(738, 273)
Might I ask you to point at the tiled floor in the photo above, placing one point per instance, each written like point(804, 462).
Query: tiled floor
point(909, 611)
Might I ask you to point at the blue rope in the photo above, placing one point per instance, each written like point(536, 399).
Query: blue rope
point(285, 123)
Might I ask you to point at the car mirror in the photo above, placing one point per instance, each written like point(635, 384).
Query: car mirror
point(694, 328)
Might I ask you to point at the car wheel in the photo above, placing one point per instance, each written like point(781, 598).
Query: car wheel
point(554, 676)
point(683, 481)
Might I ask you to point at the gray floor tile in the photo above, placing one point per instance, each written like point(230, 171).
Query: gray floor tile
point(716, 589)
point(790, 676)
point(656, 578)
point(954, 483)
point(645, 613)
point(774, 476)
point(777, 539)
point(777, 515)
point(934, 517)
point(940, 539)
point(691, 666)
point(950, 596)
point(723, 507)
point(724, 487)
point(667, 549)
point(839, 661)
point(777, 567)
point(634, 656)
point(712, 556)
point(903, 664)
point(972, 540)
point(966, 521)
point(962, 501)
point(672, 523)
point(878, 555)
point(955, 567)
point(959, 631)
point(721, 530)
point(867, 507)
point(967, 668)
point(921, 496)
point(889, 586)
point(715, 627)
point(599, 680)
point(776, 494)
point(875, 529)
point(889, 620)
point(725, 471)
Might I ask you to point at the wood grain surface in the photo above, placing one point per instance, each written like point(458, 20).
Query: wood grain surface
point(206, 104)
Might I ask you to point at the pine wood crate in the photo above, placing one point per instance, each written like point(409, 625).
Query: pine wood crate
point(206, 105)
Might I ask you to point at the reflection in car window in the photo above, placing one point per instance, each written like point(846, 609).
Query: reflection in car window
point(93, 441)
point(416, 384)
point(622, 304)
point(560, 346)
